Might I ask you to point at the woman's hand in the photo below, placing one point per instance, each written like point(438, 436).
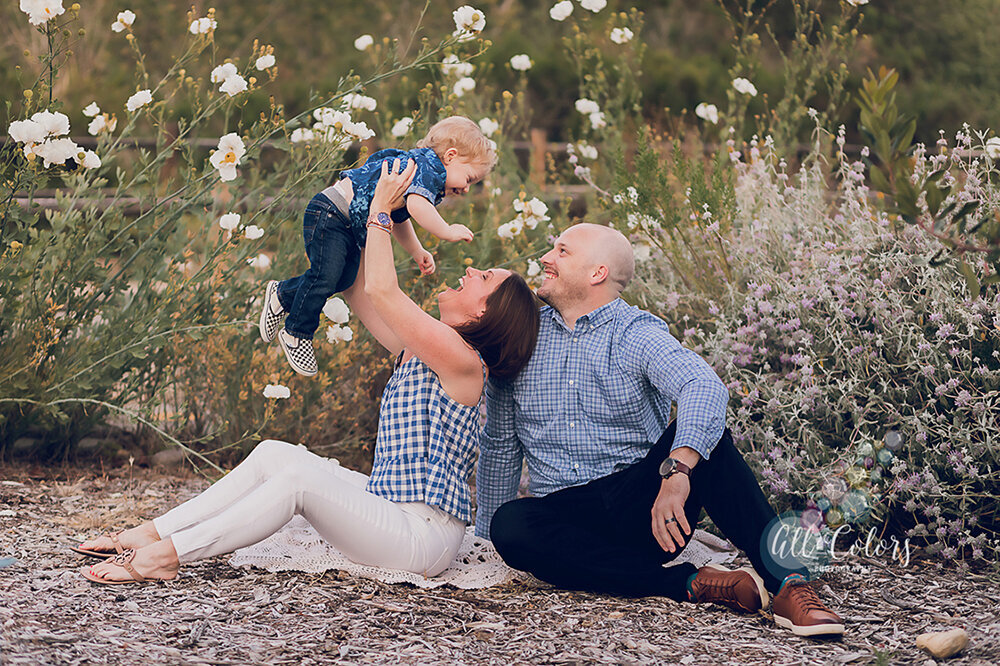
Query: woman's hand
point(390, 192)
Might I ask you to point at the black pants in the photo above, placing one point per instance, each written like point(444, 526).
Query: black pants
point(598, 537)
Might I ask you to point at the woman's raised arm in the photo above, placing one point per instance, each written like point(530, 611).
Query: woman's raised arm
point(437, 344)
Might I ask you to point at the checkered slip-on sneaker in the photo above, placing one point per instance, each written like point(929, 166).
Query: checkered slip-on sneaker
point(299, 352)
point(271, 314)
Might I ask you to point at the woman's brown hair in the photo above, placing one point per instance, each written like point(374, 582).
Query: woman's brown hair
point(505, 335)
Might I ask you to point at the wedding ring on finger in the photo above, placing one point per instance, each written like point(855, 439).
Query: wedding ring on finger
point(669, 520)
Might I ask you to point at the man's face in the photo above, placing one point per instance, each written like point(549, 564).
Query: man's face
point(567, 268)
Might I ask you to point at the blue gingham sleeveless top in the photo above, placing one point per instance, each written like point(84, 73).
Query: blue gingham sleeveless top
point(426, 442)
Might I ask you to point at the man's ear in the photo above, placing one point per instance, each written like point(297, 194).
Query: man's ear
point(599, 275)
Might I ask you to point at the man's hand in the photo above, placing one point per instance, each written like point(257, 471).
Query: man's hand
point(425, 260)
point(459, 232)
point(668, 513)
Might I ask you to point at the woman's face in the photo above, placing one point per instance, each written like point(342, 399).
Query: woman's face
point(468, 301)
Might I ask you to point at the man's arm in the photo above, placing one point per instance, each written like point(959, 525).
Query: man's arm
point(686, 379)
point(498, 473)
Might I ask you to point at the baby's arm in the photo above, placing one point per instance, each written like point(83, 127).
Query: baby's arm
point(425, 214)
point(407, 238)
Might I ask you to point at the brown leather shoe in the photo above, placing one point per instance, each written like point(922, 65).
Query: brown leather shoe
point(797, 607)
point(742, 590)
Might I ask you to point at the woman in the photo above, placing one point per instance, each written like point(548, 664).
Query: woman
point(411, 513)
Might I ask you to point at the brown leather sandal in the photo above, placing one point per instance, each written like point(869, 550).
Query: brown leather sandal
point(123, 560)
point(102, 554)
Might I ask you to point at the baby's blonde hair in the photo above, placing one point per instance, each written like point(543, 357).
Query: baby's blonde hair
point(463, 135)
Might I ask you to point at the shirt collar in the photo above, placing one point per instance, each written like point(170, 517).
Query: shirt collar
point(593, 319)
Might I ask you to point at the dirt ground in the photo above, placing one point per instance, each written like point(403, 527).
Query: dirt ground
point(216, 614)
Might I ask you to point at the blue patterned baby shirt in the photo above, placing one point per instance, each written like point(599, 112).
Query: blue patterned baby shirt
point(426, 443)
point(428, 182)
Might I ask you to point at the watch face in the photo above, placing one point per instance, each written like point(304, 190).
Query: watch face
point(667, 467)
point(384, 218)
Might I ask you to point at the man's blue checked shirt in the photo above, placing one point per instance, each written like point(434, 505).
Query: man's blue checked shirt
point(592, 401)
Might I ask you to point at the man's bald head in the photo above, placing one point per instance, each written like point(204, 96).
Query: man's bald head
point(608, 246)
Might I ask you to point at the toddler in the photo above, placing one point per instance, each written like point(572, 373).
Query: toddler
point(454, 155)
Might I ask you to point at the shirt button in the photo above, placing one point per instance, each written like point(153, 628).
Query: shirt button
point(571, 424)
point(576, 465)
point(571, 382)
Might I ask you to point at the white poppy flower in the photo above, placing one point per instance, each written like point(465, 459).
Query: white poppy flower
point(223, 72)
point(124, 21)
point(54, 123)
point(621, 35)
point(90, 160)
point(234, 85)
point(264, 62)
point(261, 261)
point(138, 100)
point(561, 10)
point(276, 391)
point(452, 66)
point(57, 151)
point(857, 3)
point(228, 155)
point(339, 334)
point(488, 126)
point(587, 151)
point(402, 127)
point(707, 112)
point(469, 19)
point(464, 85)
point(253, 232)
point(521, 62)
point(510, 229)
point(597, 120)
point(993, 148)
point(27, 131)
point(40, 11)
point(534, 268)
point(97, 125)
point(300, 134)
point(363, 42)
point(203, 26)
point(356, 101)
point(585, 106)
point(745, 87)
point(229, 221)
point(594, 5)
point(359, 131)
point(91, 110)
point(336, 310)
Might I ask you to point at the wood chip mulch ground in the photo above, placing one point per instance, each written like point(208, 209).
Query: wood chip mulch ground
point(215, 614)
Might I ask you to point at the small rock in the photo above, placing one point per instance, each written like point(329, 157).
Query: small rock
point(943, 644)
point(168, 458)
point(25, 444)
point(89, 444)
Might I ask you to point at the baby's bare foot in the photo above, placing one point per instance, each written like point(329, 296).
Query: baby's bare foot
point(137, 537)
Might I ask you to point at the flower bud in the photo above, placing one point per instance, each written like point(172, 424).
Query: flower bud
point(28, 94)
point(81, 32)
point(75, 7)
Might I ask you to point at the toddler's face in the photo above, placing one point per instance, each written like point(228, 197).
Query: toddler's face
point(462, 174)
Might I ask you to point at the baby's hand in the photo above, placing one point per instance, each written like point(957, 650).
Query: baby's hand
point(425, 260)
point(458, 232)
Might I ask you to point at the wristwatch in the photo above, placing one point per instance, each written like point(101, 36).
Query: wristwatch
point(670, 466)
point(381, 220)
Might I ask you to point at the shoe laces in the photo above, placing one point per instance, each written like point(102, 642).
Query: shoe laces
point(722, 586)
point(804, 594)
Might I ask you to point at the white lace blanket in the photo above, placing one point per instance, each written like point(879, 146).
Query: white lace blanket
point(298, 547)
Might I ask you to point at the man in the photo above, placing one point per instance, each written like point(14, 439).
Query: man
point(617, 487)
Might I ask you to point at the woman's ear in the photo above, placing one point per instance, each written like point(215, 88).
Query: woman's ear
point(449, 155)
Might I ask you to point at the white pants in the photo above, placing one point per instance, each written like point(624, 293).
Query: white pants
point(279, 480)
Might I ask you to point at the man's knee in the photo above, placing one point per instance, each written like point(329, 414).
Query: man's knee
point(510, 532)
